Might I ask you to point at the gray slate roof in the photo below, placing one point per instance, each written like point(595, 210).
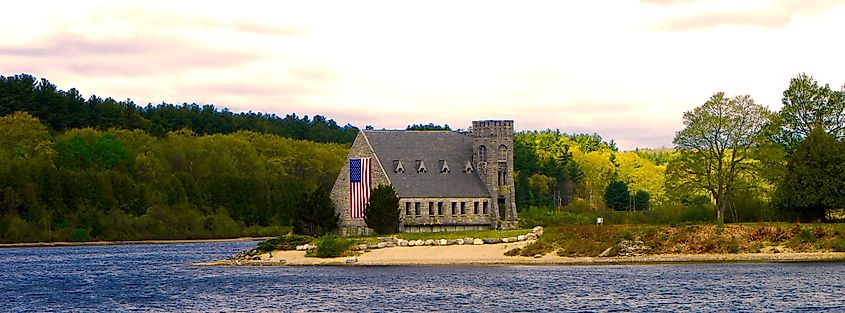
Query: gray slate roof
point(431, 147)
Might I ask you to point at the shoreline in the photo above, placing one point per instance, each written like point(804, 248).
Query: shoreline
point(493, 255)
point(123, 242)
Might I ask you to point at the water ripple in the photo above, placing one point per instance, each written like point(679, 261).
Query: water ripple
point(159, 278)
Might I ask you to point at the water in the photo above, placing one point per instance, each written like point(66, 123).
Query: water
point(160, 278)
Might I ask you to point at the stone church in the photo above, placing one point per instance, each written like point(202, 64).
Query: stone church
point(445, 180)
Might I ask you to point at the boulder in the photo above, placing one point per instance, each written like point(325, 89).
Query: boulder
point(512, 239)
point(382, 244)
point(530, 236)
point(537, 231)
point(452, 242)
point(506, 240)
point(477, 241)
point(491, 240)
point(429, 242)
point(459, 242)
point(419, 242)
point(402, 243)
point(520, 237)
point(468, 241)
point(300, 247)
point(351, 259)
point(411, 243)
point(442, 242)
point(373, 247)
point(606, 252)
point(362, 247)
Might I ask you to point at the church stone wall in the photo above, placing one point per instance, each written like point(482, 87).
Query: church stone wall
point(445, 214)
point(340, 192)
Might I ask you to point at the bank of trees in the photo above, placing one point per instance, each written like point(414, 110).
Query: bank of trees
point(734, 160)
point(61, 110)
point(118, 184)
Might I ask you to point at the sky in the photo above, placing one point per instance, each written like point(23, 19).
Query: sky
point(624, 69)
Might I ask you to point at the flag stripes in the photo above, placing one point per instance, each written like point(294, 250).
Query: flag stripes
point(360, 179)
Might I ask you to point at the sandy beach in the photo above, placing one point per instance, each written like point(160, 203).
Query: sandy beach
point(471, 255)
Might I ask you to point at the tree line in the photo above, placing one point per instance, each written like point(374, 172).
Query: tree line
point(734, 160)
point(61, 110)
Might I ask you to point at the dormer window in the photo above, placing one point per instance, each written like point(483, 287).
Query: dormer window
point(421, 167)
point(468, 167)
point(398, 167)
point(444, 167)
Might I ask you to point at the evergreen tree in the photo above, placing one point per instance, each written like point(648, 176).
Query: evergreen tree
point(315, 215)
point(815, 178)
point(616, 195)
point(382, 213)
point(641, 200)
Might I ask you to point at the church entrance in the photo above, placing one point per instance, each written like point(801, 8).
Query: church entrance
point(502, 208)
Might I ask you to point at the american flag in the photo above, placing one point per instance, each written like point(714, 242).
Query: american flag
point(360, 180)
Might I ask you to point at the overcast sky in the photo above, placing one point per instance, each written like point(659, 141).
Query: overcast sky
point(624, 69)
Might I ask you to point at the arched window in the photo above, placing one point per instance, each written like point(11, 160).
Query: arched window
point(482, 154)
point(503, 153)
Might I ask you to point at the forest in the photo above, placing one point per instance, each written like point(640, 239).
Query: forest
point(73, 169)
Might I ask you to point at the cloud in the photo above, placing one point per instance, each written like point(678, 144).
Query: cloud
point(140, 55)
point(685, 15)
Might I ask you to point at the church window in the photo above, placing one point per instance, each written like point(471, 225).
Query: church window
point(416, 208)
point(431, 208)
point(468, 167)
point(444, 167)
point(398, 167)
point(503, 153)
point(421, 167)
point(482, 153)
point(475, 207)
point(440, 208)
point(463, 207)
point(407, 208)
point(484, 207)
point(454, 208)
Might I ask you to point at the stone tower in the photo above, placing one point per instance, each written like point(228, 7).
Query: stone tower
point(493, 158)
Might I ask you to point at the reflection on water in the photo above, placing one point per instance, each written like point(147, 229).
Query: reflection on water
point(160, 278)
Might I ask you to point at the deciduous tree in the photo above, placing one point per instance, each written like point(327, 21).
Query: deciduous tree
point(715, 145)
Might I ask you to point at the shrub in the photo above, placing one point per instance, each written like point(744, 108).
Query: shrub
point(286, 242)
point(330, 246)
point(315, 214)
point(382, 213)
point(837, 245)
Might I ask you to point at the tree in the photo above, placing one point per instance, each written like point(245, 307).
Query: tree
point(382, 213)
point(641, 200)
point(807, 106)
point(315, 215)
point(715, 145)
point(815, 178)
point(429, 126)
point(616, 195)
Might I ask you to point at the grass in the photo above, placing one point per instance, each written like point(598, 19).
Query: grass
point(591, 240)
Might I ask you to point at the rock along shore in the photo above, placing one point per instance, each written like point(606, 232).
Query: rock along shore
point(477, 251)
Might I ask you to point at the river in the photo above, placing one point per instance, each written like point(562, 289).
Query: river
point(159, 277)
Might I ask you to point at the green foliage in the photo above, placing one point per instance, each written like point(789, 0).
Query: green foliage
point(641, 200)
point(315, 215)
point(616, 196)
point(382, 213)
point(715, 145)
point(129, 185)
point(62, 110)
point(286, 242)
point(429, 126)
point(808, 106)
point(330, 246)
point(814, 179)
